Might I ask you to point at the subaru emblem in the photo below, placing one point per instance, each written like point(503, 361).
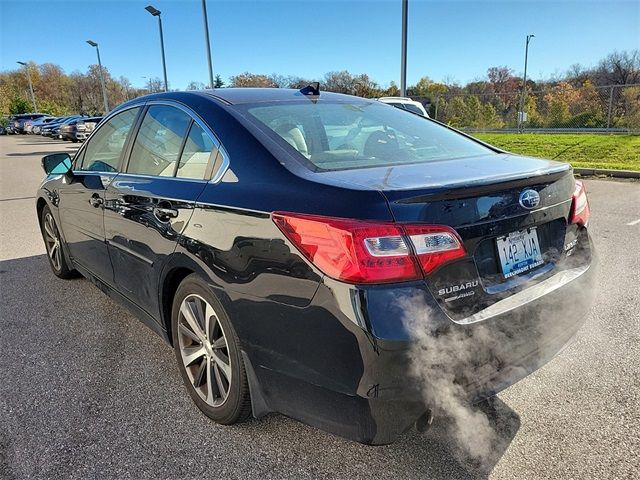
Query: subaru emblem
point(529, 199)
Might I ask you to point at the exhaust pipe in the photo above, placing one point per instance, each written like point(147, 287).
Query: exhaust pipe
point(423, 423)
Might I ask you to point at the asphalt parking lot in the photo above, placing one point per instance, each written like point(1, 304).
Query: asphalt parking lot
point(87, 391)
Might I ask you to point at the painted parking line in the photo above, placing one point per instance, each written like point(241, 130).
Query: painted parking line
point(635, 222)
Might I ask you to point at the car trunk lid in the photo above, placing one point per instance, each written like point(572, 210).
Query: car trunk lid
point(480, 198)
point(510, 243)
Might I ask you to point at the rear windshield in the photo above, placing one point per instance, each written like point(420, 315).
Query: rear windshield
point(338, 135)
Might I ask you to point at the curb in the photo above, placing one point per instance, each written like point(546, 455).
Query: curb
point(607, 173)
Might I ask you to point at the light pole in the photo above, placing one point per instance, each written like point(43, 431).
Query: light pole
point(104, 89)
point(206, 36)
point(524, 83)
point(403, 52)
point(33, 97)
point(156, 13)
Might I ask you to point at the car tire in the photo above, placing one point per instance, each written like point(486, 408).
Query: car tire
point(210, 362)
point(54, 246)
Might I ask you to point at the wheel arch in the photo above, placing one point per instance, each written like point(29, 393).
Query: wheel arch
point(170, 282)
point(176, 270)
point(40, 204)
point(179, 267)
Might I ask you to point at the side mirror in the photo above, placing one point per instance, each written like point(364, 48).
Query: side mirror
point(57, 163)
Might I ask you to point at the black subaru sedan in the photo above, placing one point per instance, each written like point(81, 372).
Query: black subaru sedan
point(328, 257)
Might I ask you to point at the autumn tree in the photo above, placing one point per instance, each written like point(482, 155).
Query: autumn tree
point(631, 99)
point(247, 79)
point(391, 91)
point(456, 112)
point(574, 99)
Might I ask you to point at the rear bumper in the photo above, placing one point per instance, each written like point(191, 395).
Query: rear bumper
point(68, 135)
point(366, 363)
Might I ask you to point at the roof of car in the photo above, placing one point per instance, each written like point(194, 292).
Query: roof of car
point(236, 96)
point(24, 115)
point(396, 99)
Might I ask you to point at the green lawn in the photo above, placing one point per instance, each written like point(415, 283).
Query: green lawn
point(586, 150)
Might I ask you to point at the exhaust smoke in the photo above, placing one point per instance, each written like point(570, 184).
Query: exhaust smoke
point(435, 361)
point(455, 365)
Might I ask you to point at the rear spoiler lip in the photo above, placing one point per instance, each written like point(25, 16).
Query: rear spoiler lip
point(470, 190)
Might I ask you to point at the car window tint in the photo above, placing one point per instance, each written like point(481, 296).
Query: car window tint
point(341, 135)
point(412, 108)
point(159, 141)
point(196, 154)
point(103, 151)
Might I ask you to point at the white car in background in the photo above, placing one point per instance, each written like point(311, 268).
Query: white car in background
point(405, 103)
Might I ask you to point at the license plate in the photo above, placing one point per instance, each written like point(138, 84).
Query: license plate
point(519, 252)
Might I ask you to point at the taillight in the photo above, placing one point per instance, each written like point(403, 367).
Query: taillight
point(357, 251)
point(580, 205)
point(434, 245)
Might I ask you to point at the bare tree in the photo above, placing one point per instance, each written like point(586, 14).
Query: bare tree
point(619, 68)
point(155, 85)
point(247, 79)
point(125, 87)
point(193, 85)
point(341, 82)
point(280, 81)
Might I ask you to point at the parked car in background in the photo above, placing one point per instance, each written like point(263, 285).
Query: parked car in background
point(29, 124)
point(19, 121)
point(405, 103)
point(46, 128)
point(37, 125)
point(58, 130)
point(296, 247)
point(85, 126)
point(8, 126)
point(52, 129)
point(69, 129)
point(3, 124)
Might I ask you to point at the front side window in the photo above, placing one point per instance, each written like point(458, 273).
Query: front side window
point(102, 153)
point(339, 135)
point(195, 157)
point(159, 141)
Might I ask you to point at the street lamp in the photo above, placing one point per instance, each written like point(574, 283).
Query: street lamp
point(403, 51)
point(104, 89)
point(206, 36)
point(524, 84)
point(156, 13)
point(33, 97)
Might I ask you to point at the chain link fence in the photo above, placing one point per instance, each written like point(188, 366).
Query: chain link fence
point(562, 107)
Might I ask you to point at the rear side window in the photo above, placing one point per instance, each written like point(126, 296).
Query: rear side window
point(103, 151)
point(159, 141)
point(197, 150)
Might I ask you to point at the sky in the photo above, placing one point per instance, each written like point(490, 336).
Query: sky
point(447, 40)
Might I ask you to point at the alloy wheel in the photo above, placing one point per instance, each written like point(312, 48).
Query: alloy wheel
point(204, 350)
point(52, 240)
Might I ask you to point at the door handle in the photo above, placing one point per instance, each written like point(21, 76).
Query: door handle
point(96, 200)
point(165, 214)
